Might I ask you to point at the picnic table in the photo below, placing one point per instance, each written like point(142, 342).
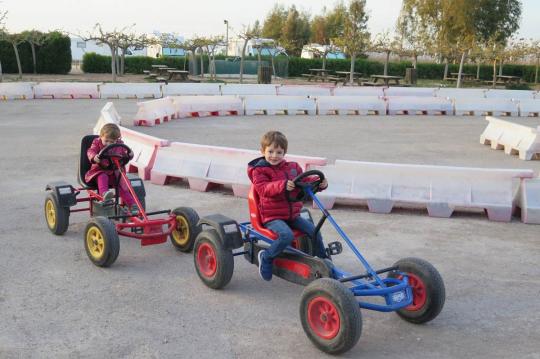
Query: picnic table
point(464, 77)
point(178, 75)
point(508, 79)
point(384, 80)
point(317, 74)
point(345, 76)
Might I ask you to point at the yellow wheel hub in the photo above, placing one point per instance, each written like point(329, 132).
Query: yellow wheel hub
point(180, 233)
point(50, 214)
point(95, 242)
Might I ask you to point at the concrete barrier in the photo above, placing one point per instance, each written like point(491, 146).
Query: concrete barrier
point(512, 137)
point(203, 166)
point(358, 91)
point(441, 189)
point(485, 106)
point(130, 90)
point(199, 106)
point(529, 108)
point(409, 105)
point(16, 90)
point(529, 201)
point(410, 91)
point(510, 94)
point(454, 93)
point(108, 114)
point(154, 112)
point(66, 90)
point(144, 148)
point(191, 89)
point(272, 105)
point(343, 105)
point(299, 90)
point(249, 89)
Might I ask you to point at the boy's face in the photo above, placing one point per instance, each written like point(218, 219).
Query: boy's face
point(107, 140)
point(273, 154)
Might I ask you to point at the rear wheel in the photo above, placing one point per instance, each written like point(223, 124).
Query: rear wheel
point(57, 217)
point(214, 263)
point(101, 241)
point(303, 243)
point(186, 228)
point(330, 316)
point(427, 288)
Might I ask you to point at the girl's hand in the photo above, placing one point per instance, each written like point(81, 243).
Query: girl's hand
point(323, 184)
point(96, 159)
point(290, 185)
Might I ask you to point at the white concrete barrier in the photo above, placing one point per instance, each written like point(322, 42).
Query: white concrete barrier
point(358, 91)
point(16, 90)
point(299, 90)
point(66, 90)
point(485, 106)
point(529, 201)
point(144, 148)
point(108, 114)
point(441, 189)
point(130, 90)
point(343, 105)
point(410, 105)
point(410, 91)
point(454, 93)
point(249, 89)
point(191, 89)
point(203, 166)
point(272, 105)
point(154, 112)
point(199, 106)
point(512, 137)
point(510, 94)
point(529, 107)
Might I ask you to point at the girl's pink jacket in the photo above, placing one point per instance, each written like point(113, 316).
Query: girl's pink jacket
point(94, 149)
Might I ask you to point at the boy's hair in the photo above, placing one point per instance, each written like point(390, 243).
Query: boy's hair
point(276, 138)
point(110, 130)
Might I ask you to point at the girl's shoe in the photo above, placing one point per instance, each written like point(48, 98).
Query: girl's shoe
point(135, 210)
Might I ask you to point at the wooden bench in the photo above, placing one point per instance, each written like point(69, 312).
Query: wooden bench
point(370, 83)
point(308, 76)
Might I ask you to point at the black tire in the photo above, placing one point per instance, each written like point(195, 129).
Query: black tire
point(305, 244)
point(101, 241)
point(329, 298)
point(213, 262)
point(425, 279)
point(187, 229)
point(56, 217)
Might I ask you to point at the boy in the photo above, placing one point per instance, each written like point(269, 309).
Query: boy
point(272, 176)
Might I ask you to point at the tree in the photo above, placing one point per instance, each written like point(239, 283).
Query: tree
point(335, 21)
point(3, 15)
point(173, 41)
point(15, 40)
point(273, 24)
point(296, 31)
point(355, 36)
point(247, 34)
point(534, 49)
point(412, 36)
point(127, 41)
point(385, 44)
point(34, 38)
point(212, 44)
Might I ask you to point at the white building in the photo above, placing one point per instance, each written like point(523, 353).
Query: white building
point(79, 47)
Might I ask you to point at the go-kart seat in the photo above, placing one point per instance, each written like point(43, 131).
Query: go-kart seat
point(255, 217)
point(84, 162)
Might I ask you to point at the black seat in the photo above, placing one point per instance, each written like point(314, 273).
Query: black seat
point(84, 162)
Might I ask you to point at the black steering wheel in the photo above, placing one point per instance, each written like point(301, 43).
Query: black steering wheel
point(302, 186)
point(105, 153)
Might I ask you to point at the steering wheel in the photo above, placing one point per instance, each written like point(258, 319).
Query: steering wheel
point(301, 185)
point(106, 153)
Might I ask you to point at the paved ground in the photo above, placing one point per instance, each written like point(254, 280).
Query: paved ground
point(150, 304)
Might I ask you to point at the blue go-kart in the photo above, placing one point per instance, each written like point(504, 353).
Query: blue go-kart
point(331, 302)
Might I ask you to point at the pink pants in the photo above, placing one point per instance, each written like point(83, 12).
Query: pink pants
point(103, 181)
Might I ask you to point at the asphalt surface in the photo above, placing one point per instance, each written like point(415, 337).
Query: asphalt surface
point(54, 303)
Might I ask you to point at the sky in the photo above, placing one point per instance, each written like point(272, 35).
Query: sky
point(189, 18)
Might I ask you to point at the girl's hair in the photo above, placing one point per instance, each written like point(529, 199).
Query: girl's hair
point(276, 138)
point(110, 130)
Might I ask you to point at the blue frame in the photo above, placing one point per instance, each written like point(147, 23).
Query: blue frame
point(396, 296)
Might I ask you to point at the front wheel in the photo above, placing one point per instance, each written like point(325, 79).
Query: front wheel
point(101, 241)
point(214, 263)
point(427, 288)
point(186, 229)
point(330, 316)
point(57, 217)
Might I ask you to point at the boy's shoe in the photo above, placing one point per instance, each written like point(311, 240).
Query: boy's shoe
point(265, 266)
point(134, 210)
point(108, 196)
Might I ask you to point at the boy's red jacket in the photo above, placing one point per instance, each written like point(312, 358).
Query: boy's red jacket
point(270, 183)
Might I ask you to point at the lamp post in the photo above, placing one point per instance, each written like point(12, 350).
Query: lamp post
point(226, 22)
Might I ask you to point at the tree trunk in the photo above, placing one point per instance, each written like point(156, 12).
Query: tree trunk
point(494, 73)
point(324, 62)
point(33, 47)
point(202, 63)
point(117, 56)
point(445, 75)
point(185, 59)
point(386, 63)
point(123, 62)
point(113, 63)
point(500, 68)
point(273, 66)
point(478, 71)
point(242, 60)
point(1, 73)
point(535, 74)
point(415, 60)
point(458, 83)
point(351, 77)
point(18, 59)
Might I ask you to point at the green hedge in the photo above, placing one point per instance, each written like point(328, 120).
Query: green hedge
point(94, 63)
point(53, 57)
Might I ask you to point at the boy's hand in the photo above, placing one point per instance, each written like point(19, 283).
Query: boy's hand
point(290, 185)
point(96, 159)
point(323, 184)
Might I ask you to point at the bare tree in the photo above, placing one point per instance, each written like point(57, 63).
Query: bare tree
point(3, 15)
point(323, 51)
point(247, 34)
point(127, 41)
point(15, 40)
point(385, 44)
point(211, 46)
point(34, 38)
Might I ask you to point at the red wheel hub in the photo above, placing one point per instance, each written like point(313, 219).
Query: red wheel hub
point(206, 260)
point(323, 317)
point(419, 292)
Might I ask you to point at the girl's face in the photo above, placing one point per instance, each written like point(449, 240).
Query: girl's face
point(273, 154)
point(107, 140)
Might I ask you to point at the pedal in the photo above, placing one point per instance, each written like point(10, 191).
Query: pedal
point(334, 248)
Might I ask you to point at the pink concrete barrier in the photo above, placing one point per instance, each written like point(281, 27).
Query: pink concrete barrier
point(154, 112)
point(66, 90)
